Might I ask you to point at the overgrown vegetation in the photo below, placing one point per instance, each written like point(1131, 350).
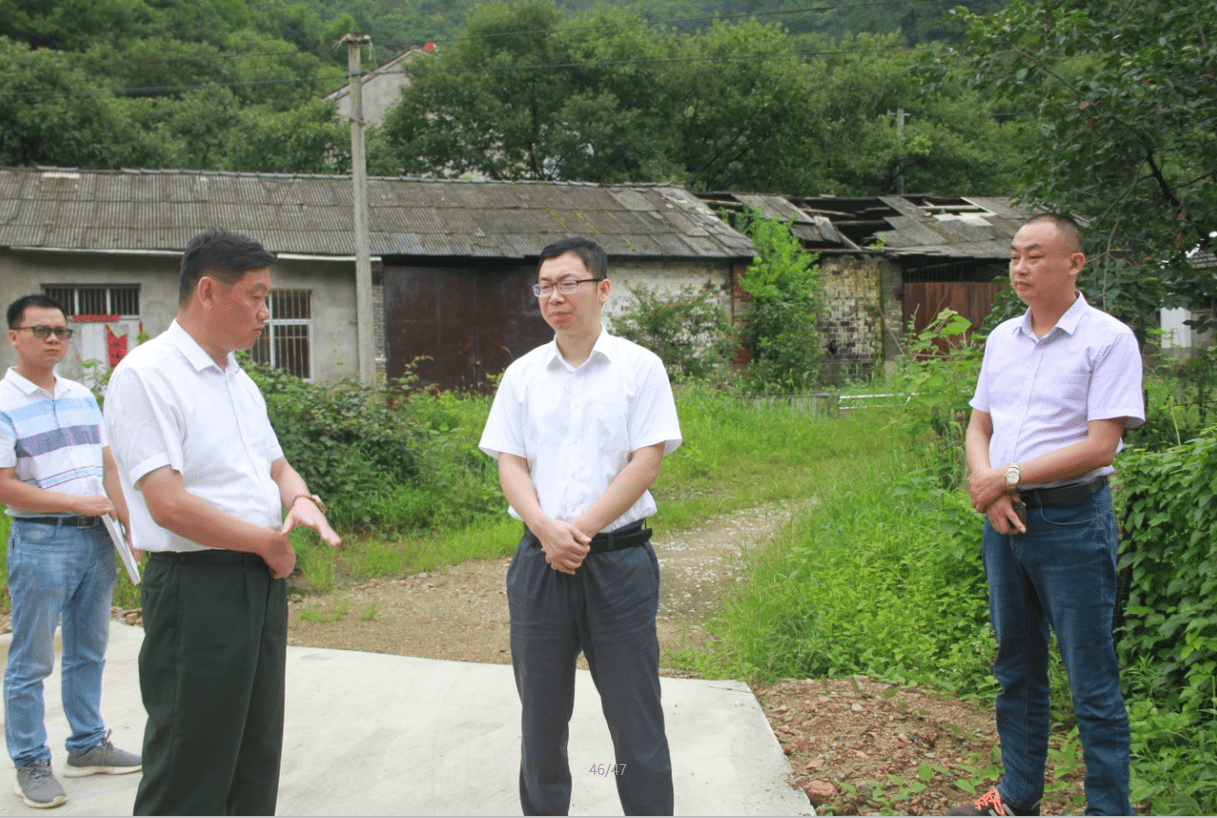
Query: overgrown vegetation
point(779, 326)
point(689, 332)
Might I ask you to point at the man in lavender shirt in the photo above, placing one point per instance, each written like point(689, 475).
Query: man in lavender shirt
point(1057, 388)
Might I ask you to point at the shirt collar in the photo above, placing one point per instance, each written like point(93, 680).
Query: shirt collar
point(195, 354)
point(1068, 323)
point(602, 348)
point(29, 387)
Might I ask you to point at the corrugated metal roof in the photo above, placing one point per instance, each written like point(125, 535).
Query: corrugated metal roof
point(162, 210)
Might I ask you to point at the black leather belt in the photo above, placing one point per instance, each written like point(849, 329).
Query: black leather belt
point(624, 537)
point(1062, 494)
point(66, 522)
point(212, 556)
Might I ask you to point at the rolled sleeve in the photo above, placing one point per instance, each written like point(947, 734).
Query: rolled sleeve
point(150, 437)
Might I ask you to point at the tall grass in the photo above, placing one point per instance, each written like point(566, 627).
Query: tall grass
point(881, 577)
point(736, 454)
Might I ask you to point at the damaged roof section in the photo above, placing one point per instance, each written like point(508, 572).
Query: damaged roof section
point(146, 210)
point(943, 226)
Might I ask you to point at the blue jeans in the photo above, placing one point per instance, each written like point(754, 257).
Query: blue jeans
point(1060, 574)
point(54, 570)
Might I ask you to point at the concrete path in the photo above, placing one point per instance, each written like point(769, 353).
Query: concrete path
point(371, 734)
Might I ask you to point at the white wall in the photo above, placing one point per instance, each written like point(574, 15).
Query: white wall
point(334, 334)
point(667, 278)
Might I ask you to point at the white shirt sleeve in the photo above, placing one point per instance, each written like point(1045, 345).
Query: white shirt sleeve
point(151, 434)
point(504, 432)
point(653, 419)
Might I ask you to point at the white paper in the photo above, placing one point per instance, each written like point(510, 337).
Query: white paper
point(120, 542)
point(124, 550)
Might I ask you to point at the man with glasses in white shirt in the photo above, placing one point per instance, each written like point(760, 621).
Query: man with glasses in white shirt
point(54, 464)
point(579, 427)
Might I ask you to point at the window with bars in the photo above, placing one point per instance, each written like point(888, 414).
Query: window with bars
point(286, 338)
point(121, 301)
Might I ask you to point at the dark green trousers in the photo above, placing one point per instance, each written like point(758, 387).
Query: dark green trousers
point(211, 672)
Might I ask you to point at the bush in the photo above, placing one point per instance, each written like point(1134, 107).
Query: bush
point(378, 466)
point(780, 324)
point(938, 369)
point(1168, 640)
point(690, 333)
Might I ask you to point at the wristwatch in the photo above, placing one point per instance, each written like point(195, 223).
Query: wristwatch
point(316, 501)
point(1012, 476)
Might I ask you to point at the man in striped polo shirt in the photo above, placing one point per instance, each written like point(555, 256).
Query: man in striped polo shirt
point(55, 473)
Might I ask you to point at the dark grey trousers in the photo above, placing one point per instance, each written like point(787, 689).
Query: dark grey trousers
point(606, 609)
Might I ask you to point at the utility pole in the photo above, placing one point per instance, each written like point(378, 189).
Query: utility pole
point(363, 241)
point(900, 117)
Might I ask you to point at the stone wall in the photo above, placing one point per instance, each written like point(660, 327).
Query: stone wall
point(862, 313)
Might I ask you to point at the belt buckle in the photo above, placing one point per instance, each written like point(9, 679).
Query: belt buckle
point(83, 523)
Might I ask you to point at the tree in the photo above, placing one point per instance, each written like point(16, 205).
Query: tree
point(1123, 96)
point(603, 98)
point(780, 323)
point(953, 142)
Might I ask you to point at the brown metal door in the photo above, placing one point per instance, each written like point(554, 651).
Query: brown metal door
point(923, 300)
point(460, 324)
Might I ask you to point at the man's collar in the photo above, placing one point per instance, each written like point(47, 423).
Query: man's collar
point(603, 347)
point(1067, 323)
point(27, 386)
point(195, 354)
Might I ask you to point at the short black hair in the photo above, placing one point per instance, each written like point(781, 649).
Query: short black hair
point(1069, 229)
point(591, 254)
point(224, 256)
point(16, 310)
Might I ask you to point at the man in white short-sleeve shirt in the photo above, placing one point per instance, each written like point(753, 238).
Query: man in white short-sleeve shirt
point(579, 427)
point(1057, 388)
point(207, 484)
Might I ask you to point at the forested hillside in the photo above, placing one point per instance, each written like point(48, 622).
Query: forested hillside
point(769, 95)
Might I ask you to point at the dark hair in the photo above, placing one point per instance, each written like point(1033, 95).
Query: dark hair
point(1069, 229)
point(591, 254)
point(16, 310)
point(226, 257)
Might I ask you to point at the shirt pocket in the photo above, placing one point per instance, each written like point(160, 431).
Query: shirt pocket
point(609, 425)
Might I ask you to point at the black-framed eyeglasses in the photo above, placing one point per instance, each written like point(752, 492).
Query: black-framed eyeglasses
point(42, 331)
point(567, 286)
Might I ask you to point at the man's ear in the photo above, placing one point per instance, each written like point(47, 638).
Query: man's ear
point(602, 289)
point(206, 290)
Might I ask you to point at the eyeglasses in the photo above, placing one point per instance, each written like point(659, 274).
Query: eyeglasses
point(44, 332)
point(566, 286)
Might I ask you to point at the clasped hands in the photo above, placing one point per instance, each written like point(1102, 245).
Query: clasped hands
point(990, 496)
point(565, 546)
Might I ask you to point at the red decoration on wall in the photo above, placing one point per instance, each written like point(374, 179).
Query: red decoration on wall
point(116, 347)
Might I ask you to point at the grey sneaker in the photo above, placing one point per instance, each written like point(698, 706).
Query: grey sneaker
point(38, 786)
point(102, 758)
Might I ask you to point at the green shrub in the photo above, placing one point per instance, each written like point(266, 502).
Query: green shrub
point(937, 369)
point(1168, 641)
point(690, 333)
point(378, 465)
point(780, 327)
